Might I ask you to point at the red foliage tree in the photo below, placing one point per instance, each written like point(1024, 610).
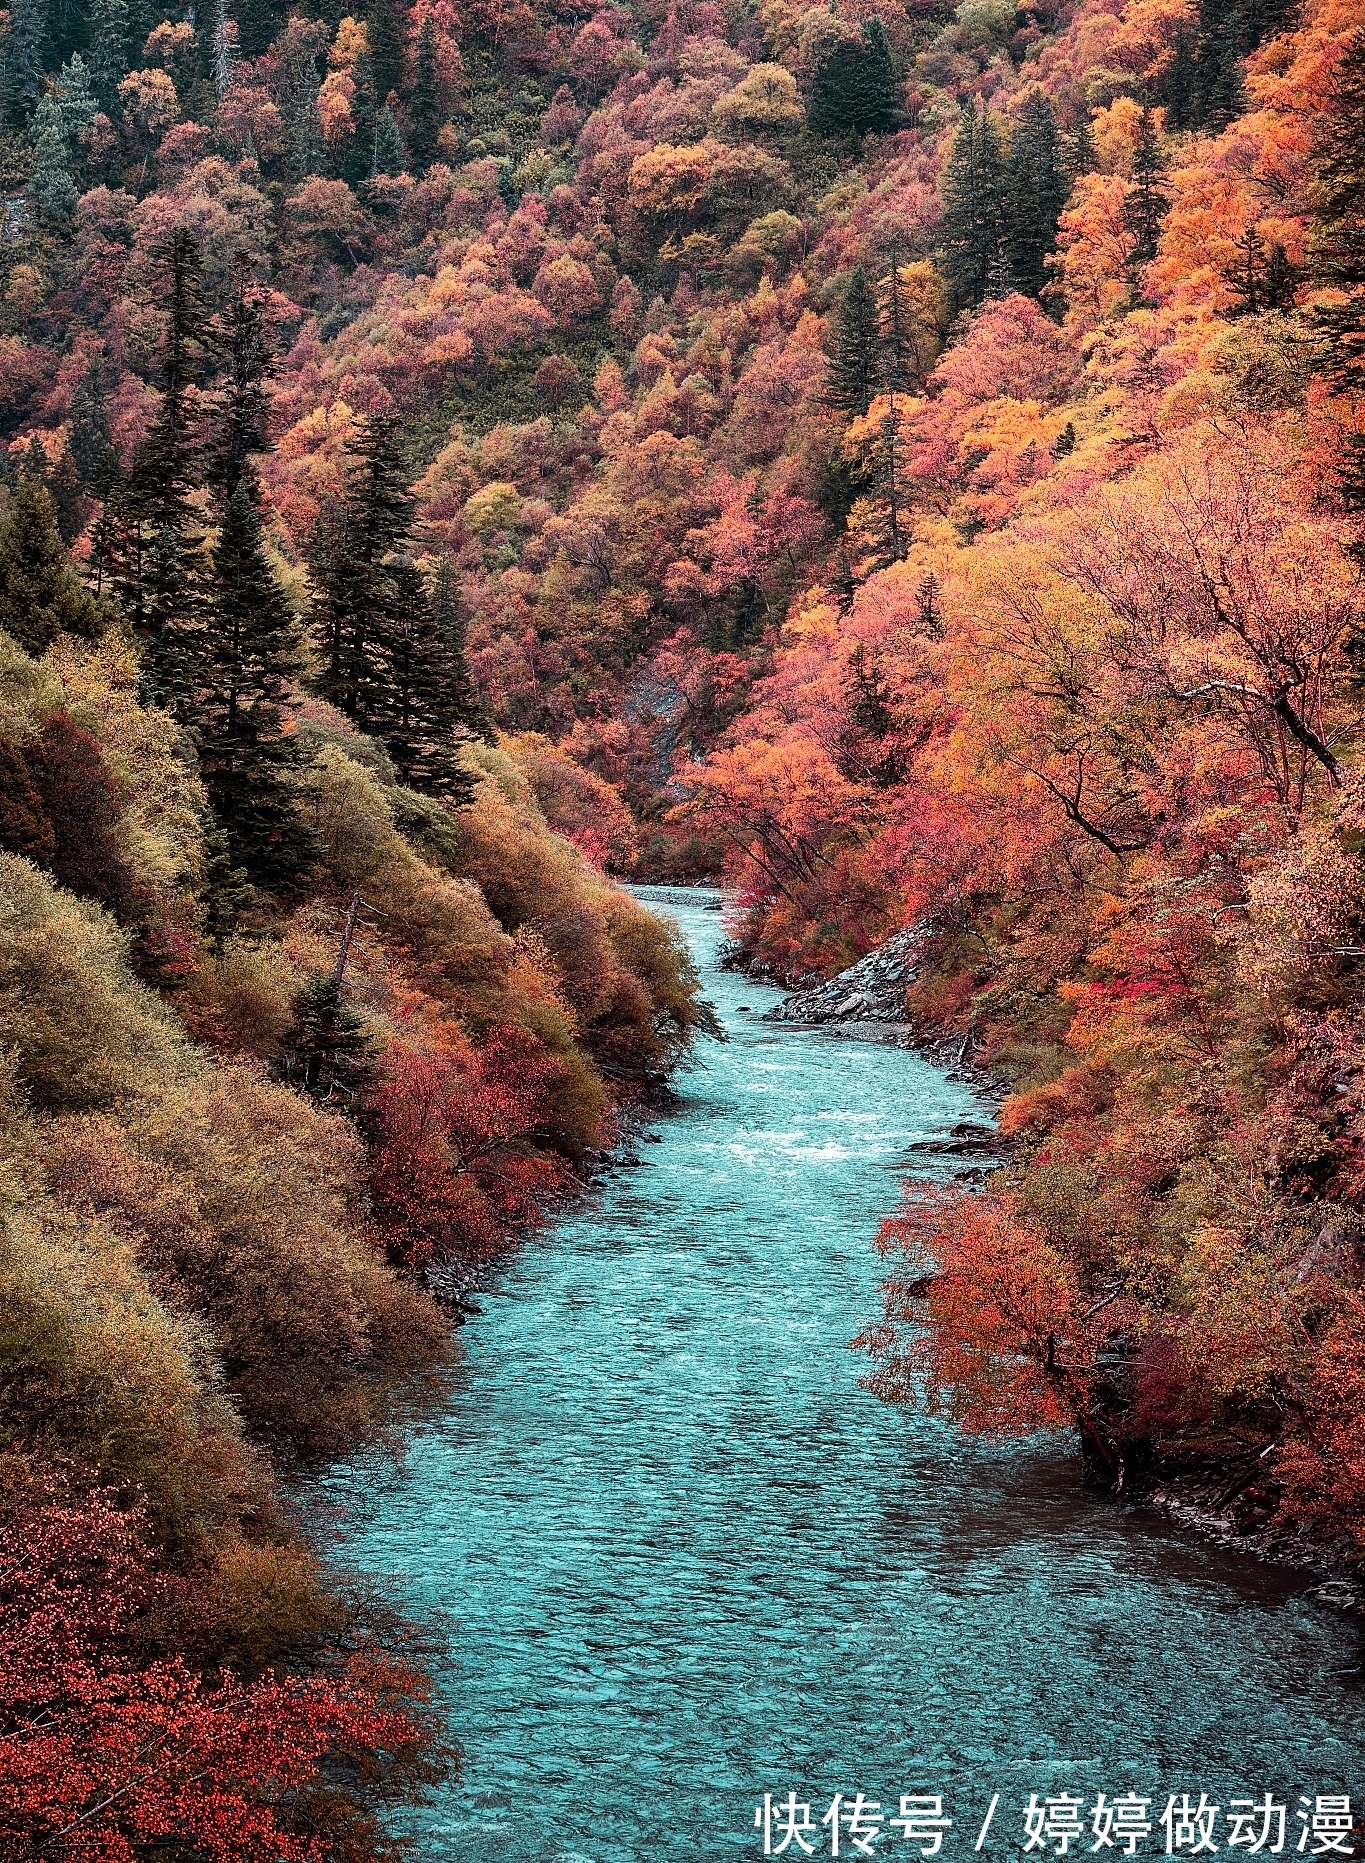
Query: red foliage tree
point(101, 1758)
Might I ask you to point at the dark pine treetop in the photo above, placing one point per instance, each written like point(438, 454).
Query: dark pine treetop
point(424, 106)
point(852, 377)
point(974, 217)
point(430, 703)
point(1338, 250)
point(157, 542)
point(41, 595)
point(854, 88)
point(1037, 190)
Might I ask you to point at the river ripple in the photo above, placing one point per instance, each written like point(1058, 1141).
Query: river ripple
point(690, 1561)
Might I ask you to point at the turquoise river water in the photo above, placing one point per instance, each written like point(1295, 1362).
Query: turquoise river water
point(690, 1562)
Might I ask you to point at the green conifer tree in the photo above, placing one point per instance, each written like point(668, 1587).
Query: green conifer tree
point(257, 24)
point(158, 564)
point(1338, 250)
point(1037, 190)
point(387, 51)
point(852, 375)
point(75, 102)
point(448, 611)
point(1081, 156)
point(52, 192)
point(1218, 65)
point(108, 49)
point(853, 91)
point(41, 595)
point(389, 158)
point(24, 40)
point(247, 659)
point(359, 165)
point(354, 604)
point(328, 1052)
point(307, 151)
point(974, 220)
point(424, 106)
point(1148, 200)
point(429, 705)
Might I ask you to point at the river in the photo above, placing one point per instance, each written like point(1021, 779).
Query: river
point(689, 1561)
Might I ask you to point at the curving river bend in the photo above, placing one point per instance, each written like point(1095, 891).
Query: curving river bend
point(690, 1561)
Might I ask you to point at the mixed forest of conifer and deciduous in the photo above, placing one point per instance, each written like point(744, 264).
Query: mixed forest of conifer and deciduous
point(908, 461)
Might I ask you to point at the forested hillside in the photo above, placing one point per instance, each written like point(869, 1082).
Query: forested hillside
point(907, 461)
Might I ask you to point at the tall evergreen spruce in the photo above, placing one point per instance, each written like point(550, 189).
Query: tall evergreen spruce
point(424, 106)
point(257, 24)
point(158, 565)
point(974, 218)
point(899, 353)
point(853, 91)
point(240, 431)
point(1037, 192)
point(249, 652)
point(359, 164)
point(1148, 200)
point(22, 49)
point(852, 377)
point(354, 606)
point(430, 703)
point(1338, 250)
point(52, 192)
point(248, 658)
point(389, 156)
point(385, 31)
point(108, 49)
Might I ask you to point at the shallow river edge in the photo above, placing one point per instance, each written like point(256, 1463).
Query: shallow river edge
point(865, 1002)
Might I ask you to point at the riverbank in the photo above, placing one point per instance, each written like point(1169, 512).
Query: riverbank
point(1221, 1501)
point(692, 1561)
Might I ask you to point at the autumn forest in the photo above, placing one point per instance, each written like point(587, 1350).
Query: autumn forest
point(903, 463)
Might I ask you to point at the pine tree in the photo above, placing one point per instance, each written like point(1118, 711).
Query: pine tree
point(851, 380)
point(158, 542)
point(241, 429)
point(90, 444)
point(389, 158)
point(1037, 192)
point(249, 650)
point(1218, 64)
point(428, 709)
point(307, 151)
point(354, 604)
point(328, 1051)
point(853, 91)
point(23, 60)
point(1180, 86)
point(898, 350)
point(974, 221)
point(1147, 201)
point(41, 595)
point(76, 103)
point(387, 52)
point(257, 24)
point(245, 663)
point(52, 193)
point(1081, 156)
point(1338, 250)
point(424, 107)
point(108, 49)
point(364, 114)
